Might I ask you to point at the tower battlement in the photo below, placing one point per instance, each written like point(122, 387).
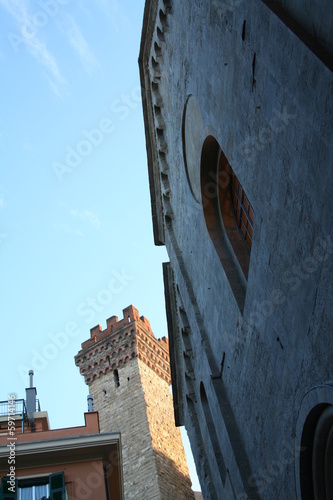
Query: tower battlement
point(122, 340)
point(128, 373)
point(130, 314)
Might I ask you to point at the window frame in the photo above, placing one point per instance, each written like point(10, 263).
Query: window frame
point(216, 200)
point(48, 479)
point(5, 495)
point(25, 484)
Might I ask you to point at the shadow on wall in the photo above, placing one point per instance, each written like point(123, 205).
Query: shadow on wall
point(180, 487)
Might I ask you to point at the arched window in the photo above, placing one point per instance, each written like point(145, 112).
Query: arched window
point(229, 216)
point(316, 457)
point(116, 378)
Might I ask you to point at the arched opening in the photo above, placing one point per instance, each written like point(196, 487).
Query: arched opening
point(229, 216)
point(316, 457)
point(116, 378)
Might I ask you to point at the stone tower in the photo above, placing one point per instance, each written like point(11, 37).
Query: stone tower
point(128, 374)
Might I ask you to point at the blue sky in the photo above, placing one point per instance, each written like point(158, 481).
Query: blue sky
point(76, 238)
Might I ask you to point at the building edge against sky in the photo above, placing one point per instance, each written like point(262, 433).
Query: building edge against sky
point(237, 103)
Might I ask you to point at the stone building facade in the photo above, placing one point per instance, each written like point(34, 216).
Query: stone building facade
point(128, 373)
point(238, 109)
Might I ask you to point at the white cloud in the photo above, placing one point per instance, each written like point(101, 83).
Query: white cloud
point(67, 229)
point(27, 33)
point(114, 11)
point(80, 45)
point(87, 216)
point(78, 222)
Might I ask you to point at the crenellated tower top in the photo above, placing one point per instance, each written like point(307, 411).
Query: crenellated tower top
point(122, 340)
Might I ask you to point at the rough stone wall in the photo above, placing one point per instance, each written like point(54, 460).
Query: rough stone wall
point(173, 474)
point(267, 100)
point(316, 19)
point(123, 408)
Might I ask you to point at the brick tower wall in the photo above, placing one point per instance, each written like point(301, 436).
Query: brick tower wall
point(124, 408)
point(127, 370)
point(173, 475)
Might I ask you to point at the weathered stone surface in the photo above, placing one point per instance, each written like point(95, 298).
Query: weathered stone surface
point(266, 96)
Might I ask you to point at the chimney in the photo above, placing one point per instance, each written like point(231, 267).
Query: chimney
point(30, 400)
point(31, 375)
point(90, 403)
